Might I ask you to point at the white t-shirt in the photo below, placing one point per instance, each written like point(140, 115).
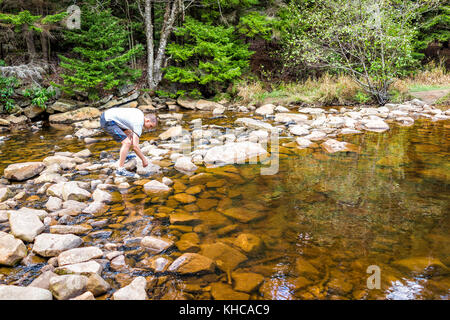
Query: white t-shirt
point(126, 118)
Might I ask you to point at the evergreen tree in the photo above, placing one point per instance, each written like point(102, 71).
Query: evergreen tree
point(101, 62)
point(210, 56)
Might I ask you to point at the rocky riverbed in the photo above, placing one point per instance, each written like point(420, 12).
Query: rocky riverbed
point(200, 223)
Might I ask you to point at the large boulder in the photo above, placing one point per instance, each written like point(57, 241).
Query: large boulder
point(23, 171)
point(201, 104)
point(24, 293)
point(136, 290)
point(25, 224)
point(32, 111)
point(86, 113)
point(12, 250)
point(50, 245)
point(62, 105)
point(234, 152)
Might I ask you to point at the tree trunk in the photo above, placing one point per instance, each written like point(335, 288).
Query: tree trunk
point(169, 20)
point(149, 38)
point(44, 45)
point(28, 36)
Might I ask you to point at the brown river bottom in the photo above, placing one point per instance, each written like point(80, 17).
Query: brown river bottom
point(316, 225)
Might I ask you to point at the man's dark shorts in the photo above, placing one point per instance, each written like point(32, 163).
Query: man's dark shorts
point(112, 129)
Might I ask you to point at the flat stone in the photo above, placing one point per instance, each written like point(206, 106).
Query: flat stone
point(81, 114)
point(422, 265)
point(25, 225)
point(24, 293)
point(223, 291)
point(246, 281)
point(87, 267)
point(78, 255)
point(50, 245)
point(304, 267)
point(156, 245)
point(234, 153)
point(23, 171)
point(227, 258)
point(184, 198)
point(243, 215)
point(192, 263)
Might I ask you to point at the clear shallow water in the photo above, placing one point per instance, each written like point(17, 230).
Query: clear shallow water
point(338, 212)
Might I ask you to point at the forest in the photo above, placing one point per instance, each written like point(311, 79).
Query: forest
point(249, 51)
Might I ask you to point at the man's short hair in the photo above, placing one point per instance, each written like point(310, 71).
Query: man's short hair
point(152, 118)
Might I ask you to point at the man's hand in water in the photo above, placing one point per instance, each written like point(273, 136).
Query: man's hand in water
point(144, 163)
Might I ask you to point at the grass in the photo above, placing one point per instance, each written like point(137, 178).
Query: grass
point(326, 90)
point(337, 90)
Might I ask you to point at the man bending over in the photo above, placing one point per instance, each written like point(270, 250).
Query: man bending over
point(125, 126)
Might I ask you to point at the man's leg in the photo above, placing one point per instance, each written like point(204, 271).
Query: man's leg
point(126, 145)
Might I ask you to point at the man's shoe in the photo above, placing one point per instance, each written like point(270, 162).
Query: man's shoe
point(130, 156)
point(125, 173)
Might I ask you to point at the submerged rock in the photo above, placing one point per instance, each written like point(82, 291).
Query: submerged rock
point(223, 291)
point(227, 258)
point(332, 146)
point(246, 281)
point(156, 245)
point(423, 265)
point(190, 263)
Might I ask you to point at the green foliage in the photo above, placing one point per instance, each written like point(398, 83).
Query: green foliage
point(102, 58)
point(39, 96)
point(361, 97)
point(255, 24)
point(209, 56)
point(7, 86)
point(434, 26)
point(370, 40)
point(26, 18)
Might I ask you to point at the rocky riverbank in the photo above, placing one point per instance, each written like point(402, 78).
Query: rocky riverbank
point(53, 233)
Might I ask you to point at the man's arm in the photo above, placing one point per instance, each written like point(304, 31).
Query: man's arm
point(137, 150)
